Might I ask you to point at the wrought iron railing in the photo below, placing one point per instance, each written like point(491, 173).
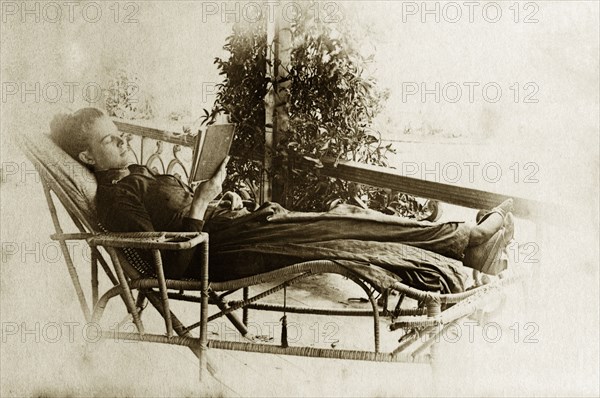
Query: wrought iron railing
point(161, 150)
point(170, 152)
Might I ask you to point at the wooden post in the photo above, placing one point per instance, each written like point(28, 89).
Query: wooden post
point(276, 117)
point(266, 188)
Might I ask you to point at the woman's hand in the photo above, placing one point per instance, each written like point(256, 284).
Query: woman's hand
point(233, 200)
point(207, 191)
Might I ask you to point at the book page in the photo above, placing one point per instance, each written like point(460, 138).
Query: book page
point(213, 149)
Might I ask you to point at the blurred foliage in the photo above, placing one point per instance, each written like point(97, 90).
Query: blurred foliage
point(125, 100)
point(240, 96)
point(330, 99)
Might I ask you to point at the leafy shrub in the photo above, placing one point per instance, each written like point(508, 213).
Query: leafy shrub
point(125, 100)
point(331, 103)
point(241, 97)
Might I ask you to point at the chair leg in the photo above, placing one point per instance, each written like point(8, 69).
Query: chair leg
point(239, 325)
point(94, 279)
point(434, 308)
point(373, 302)
point(87, 313)
point(202, 359)
point(178, 327)
point(126, 291)
point(163, 291)
point(140, 301)
point(245, 311)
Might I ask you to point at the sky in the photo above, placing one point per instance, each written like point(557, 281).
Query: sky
point(544, 64)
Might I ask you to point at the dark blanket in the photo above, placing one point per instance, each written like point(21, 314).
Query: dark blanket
point(380, 248)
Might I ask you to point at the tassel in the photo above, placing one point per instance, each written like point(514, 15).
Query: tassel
point(284, 339)
point(284, 334)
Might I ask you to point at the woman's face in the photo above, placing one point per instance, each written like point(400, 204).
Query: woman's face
point(106, 147)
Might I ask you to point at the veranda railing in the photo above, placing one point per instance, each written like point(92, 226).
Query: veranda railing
point(170, 152)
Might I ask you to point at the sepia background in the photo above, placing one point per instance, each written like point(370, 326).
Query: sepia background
point(547, 52)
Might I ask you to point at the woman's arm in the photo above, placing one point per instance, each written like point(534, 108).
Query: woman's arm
point(207, 191)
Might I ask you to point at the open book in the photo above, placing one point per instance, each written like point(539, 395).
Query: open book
point(212, 147)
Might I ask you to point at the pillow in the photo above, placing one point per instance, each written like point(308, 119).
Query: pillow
point(59, 169)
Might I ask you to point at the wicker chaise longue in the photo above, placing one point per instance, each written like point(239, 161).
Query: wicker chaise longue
point(74, 186)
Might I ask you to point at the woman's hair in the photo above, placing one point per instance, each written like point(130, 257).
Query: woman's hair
point(69, 131)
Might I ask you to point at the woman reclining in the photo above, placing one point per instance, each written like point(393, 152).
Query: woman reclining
point(132, 198)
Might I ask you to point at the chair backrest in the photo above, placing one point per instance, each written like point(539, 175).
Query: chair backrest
point(73, 183)
point(75, 186)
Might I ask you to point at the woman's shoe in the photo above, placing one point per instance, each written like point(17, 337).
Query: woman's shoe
point(503, 209)
point(509, 227)
point(487, 257)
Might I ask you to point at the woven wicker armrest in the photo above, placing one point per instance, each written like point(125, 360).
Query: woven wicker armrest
point(76, 236)
point(149, 240)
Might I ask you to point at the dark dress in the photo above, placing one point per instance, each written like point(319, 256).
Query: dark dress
point(422, 254)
